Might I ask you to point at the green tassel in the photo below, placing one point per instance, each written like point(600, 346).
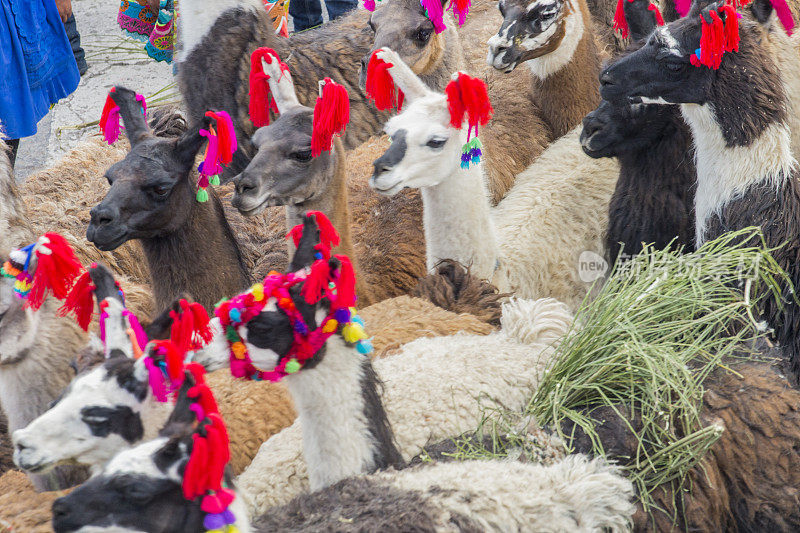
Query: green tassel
point(202, 196)
point(231, 334)
point(214, 180)
point(292, 366)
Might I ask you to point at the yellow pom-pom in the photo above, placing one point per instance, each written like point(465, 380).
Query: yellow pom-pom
point(353, 332)
point(258, 291)
point(238, 349)
point(232, 529)
point(330, 326)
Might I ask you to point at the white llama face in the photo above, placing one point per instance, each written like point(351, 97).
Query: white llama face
point(425, 149)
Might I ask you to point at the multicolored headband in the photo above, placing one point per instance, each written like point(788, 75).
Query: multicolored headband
point(380, 86)
point(319, 281)
point(219, 152)
point(110, 120)
point(331, 115)
point(717, 37)
point(621, 23)
point(261, 99)
point(468, 96)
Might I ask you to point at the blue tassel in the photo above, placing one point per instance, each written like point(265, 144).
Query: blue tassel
point(342, 315)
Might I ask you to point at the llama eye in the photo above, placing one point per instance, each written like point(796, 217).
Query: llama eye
point(436, 143)
point(423, 35)
point(303, 156)
point(675, 67)
point(160, 190)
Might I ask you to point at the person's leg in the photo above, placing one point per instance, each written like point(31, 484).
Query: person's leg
point(75, 40)
point(337, 8)
point(305, 14)
point(14, 144)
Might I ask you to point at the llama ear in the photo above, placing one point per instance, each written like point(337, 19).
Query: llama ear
point(642, 17)
point(182, 412)
point(132, 114)
point(411, 85)
point(189, 144)
point(280, 83)
point(305, 254)
point(104, 282)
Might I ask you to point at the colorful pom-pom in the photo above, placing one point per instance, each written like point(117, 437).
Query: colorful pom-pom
point(330, 326)
point(353, 332)
point(364, 346)
point(342, 315)
point(239, 349)
point(292, 366)
point(235, 315)
point(258, 291)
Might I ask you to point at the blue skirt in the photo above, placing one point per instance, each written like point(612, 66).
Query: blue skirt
point(36, 62)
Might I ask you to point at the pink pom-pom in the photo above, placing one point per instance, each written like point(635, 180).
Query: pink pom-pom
point(435, 12)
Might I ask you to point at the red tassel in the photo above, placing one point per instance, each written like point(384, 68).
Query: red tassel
point(331, 115)
point(195, 469)
point(380, 85)
point(80, 301)
point(261, 100)
point(109, 119)
point(202, 327)
point(316, 282)
point(460, 10)
point(657, 13)
point(56, 270)
point(731, 28)
point(190, 328)
point(620, 22)
point(328, 236)
point(468, 95)
point(345, 284)
point(296, 233)
point(226, 136)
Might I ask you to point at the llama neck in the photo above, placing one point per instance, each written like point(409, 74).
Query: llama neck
point(334, 202)
point(565, 79)
point(345, 431)
point(198, 17)
point(14, 227)
point(458, 223)
point(201, 258)
point(726, 171)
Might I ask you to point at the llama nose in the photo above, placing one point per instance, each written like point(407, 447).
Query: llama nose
point(60, 509)
point(606, 78)
point(101, 214)
point(245, 184)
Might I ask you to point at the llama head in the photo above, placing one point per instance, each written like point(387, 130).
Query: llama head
point(531, 29)
point(140, 489)
point(101, 410)
point(151, 192)
point(425, 147)
point(18, 322)
point(744, 92)
point(403, 26)
point(619, 127)
point(283, 171)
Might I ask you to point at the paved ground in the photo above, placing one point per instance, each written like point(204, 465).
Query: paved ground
point(113, 59)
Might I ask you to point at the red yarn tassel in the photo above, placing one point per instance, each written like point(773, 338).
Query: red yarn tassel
point(468, 96)
point(296, 233)
point(316, 282)
point(345, 284)
point(327, 233)
point(657, 13)
point(731, 29)
point(80, 301)
point(460, 10)
point(109, 119)
point(380, 86)
point(56, 270)
point(331, 115)
point(226, 136)
point(620, 22)
point(261, 100)
point(202, 327)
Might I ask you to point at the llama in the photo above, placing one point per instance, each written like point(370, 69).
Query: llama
point(189, 245)
point(746, 174)
point(517, 245)
point(404, 27)
point(555, 40)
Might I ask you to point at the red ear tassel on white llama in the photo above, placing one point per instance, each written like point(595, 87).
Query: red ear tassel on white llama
point(380, 85)
point(110, 120)
point(331, 115)
point(261, 99)
point(221, 146)
point(468, 96)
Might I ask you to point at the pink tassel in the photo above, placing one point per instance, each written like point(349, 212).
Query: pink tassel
point(435, 12)
point(369, 5)
point(784, 15)
point(156, 379)
point(683, 7)
point(141, 336)
point(211, 166)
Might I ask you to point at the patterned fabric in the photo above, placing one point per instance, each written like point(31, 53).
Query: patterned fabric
point(157, 30)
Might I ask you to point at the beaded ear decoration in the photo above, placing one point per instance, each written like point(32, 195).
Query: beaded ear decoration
point(219, 151)
point(319, 281)
point(468, 96)
point(261, 99)
point(204, 474)
point(717, 37)
point(380, 86)
point(56, 269)
point(110, 120)
point(621, 23)
point(331, 115)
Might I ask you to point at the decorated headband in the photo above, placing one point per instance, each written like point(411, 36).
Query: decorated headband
point(621, 23)
point(319, 281)
point(109, 118)
point(204, 474)
point(717, 37)
point(56, 269)
point(261, 99)
point(434, 10)
point(331, 115)
point(468, 96)
point(380, 85)
point(219, 151)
